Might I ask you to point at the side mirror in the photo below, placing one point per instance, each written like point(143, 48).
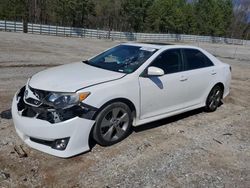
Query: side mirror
point(155, 71)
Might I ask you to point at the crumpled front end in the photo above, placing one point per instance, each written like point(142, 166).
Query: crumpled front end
point(59, 132)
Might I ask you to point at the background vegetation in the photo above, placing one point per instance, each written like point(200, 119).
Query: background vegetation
point(201, 17)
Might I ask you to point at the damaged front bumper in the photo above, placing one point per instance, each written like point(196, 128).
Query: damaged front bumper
point(43, 129)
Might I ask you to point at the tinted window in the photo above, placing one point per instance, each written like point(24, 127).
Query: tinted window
point(170, 61)
point(194, 59)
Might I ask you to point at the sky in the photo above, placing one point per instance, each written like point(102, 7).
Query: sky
point(241, 2)
point(236, 2)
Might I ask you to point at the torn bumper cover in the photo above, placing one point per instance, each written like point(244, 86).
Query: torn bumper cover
point(63, 133)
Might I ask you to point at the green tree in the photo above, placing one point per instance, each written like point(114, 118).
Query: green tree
point(71, 12)
point(107, 14)
point(134, 13)
point(213, 16)
point(201, 17)
point(166, 16)
point(12, 9)
point(190, 24)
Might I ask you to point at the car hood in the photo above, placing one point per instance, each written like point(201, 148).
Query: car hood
point(71, 77)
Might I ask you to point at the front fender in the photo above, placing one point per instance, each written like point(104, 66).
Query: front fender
point(126, 88)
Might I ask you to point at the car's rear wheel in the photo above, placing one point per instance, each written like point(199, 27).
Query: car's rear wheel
point(113, 124)
point(214, 99)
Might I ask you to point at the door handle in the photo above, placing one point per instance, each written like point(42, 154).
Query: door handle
point(213, 72)
point(183, 78)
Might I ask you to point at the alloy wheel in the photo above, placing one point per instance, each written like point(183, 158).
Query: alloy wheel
point(114, 124)
point(215, 98)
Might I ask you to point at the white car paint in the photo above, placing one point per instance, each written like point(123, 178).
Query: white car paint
point(30, 127)
point(73, 76)
point(154, 98)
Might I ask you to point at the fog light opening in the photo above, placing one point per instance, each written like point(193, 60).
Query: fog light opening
point(60, 144)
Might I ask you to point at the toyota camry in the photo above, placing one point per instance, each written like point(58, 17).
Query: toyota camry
point(61, 108)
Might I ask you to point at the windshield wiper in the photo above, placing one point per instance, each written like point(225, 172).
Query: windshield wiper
point(94, 65)
point(86, 61)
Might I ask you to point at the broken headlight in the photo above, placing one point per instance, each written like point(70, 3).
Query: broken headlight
point(65, 100)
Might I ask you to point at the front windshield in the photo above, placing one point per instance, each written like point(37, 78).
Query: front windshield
point(122, 58)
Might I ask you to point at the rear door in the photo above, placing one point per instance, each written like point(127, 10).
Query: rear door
point(163, 94)
point(199, 72)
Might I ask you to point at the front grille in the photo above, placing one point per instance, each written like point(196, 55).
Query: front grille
point(58, 144)
point(39, 141)
point(50, 114)
point(36, 98)
point(33, 101)
point(40, 94)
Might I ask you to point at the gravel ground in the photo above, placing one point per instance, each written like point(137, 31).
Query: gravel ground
point(194, 149)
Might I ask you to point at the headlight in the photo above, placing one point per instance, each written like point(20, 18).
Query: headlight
point(65, 100)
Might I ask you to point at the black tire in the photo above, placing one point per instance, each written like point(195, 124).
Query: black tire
point(113, 124)
point(214, 99)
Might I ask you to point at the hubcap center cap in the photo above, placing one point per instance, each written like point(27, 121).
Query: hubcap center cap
point(115, 122)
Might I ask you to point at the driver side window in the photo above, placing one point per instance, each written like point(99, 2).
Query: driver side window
point(170, 61)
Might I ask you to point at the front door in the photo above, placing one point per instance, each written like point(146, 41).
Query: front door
point(163, 94)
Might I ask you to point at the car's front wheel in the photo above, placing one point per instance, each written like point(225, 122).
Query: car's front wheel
point(214, 99)
point(113, 124)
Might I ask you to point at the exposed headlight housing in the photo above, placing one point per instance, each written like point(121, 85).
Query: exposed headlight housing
point(65, 100)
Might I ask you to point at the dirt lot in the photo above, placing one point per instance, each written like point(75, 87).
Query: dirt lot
point(195, 149)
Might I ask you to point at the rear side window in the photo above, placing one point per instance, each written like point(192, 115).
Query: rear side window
point(170, 61)
point(195, 59)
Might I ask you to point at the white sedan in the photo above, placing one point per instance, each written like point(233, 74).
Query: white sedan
point(61, 108)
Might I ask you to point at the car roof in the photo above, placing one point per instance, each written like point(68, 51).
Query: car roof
point(160, 45)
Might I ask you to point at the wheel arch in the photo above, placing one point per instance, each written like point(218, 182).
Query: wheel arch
point(221, 85)
point(207, 107)
point(123, 100)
